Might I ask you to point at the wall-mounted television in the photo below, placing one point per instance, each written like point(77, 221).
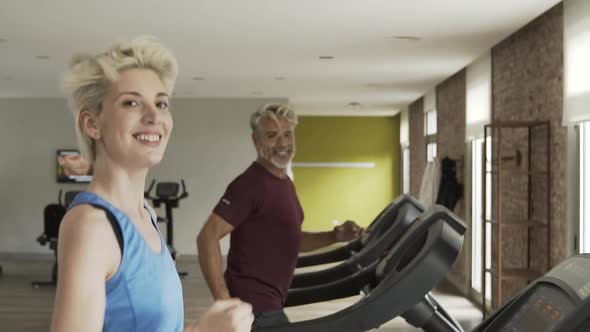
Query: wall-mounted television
point(72, 167)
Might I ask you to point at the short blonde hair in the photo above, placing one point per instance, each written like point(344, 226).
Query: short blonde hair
point(275, 112)
point(89, 77)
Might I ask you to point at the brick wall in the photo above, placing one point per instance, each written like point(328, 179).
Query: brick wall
point(417, 145)
point(450, 106)
point(527, 72)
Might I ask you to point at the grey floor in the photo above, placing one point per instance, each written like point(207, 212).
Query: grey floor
point(23, 308)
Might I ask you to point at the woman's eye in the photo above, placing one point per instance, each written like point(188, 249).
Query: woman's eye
point(162, 105)
point(130, 103)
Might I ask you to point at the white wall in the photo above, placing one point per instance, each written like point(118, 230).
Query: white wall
point(576, 68)
point(210, 145)
point(576, 88)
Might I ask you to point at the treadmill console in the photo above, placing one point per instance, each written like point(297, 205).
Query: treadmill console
point(547, 302)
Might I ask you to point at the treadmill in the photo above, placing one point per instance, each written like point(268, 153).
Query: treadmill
point(375, 230)
point(381, 235)
point(558, 301)
point(397, 283)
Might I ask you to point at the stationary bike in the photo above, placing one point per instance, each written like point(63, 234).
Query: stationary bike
point(53, 215)
point(168, 193)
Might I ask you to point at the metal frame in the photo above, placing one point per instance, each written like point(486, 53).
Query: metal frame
point(491, 132)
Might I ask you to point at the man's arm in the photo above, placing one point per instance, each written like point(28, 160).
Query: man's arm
point(343, 233)
point(210, 259)
point(88, 255)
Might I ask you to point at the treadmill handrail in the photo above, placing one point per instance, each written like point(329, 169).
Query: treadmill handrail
point(403, 218)
point(399, 290)
point(346, 251)
point(349, 286)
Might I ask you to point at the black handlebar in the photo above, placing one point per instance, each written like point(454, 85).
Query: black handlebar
point(183, 194)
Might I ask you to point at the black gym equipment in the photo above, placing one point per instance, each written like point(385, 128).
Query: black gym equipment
point(558, 301)
point(341, 282)
point(168, 193)
point(399, 282)
point(375, 230)
point(52, 217)
point(381, 235)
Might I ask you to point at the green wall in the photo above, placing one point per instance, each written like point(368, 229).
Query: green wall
point(359, 194)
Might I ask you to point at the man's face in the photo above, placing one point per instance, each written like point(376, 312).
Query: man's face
point(275, 141)
point(74, 164)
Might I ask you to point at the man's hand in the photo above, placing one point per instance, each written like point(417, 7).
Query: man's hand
point(225, 316)
point(347, 231)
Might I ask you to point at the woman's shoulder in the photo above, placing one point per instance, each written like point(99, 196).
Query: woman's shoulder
point(85, 236)
point(86, 222)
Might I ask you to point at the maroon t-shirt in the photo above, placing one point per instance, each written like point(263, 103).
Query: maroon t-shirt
point(265, 242)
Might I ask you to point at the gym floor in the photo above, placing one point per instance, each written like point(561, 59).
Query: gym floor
point(24, 309)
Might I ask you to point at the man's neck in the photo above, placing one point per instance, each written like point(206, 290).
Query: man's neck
point(276, 171)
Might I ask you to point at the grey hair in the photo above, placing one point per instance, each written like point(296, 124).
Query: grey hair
point(275, 112)
point(89, 77)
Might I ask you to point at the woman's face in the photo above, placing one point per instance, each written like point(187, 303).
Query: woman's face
point(135, 122)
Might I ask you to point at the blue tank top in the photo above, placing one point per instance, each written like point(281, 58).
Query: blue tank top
point(145, 294)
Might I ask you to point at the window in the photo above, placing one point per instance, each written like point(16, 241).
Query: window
point(430, 134)
point(477, 164)
point(406, 169)
point(430, 151)
point(430, 124)
point(584, 187)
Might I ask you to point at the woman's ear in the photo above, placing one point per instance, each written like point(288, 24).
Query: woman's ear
point(88, 123)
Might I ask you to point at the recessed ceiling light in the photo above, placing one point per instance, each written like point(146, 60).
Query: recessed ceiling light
point(326, 57)
point(354, 105)
point(408, 38)
point(257, 93)
point(279, 78)
point(42, 57)
point(198, 78)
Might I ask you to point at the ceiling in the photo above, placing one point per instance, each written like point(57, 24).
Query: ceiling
point(268, 48)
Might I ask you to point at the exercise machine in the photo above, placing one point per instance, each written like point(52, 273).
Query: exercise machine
point(375, 230)
point(398, 283)
point(52, 217)
point(168, 194)
point(558, 301)
point(381, 235)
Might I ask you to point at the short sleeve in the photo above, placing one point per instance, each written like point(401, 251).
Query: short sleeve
point(237, 203)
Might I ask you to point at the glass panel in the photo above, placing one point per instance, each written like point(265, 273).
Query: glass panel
point(476, 212)
point(430, 124)
point(430, 151)
point(584, 187)
point(406, 170)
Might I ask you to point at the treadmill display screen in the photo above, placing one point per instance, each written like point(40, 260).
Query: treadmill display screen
point(541, 311)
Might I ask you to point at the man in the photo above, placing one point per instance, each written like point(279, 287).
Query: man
point(261, 210)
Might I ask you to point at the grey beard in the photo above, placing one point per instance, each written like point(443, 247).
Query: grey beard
point(278, 165)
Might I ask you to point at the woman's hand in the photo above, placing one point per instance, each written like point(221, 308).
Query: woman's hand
point(225, 316)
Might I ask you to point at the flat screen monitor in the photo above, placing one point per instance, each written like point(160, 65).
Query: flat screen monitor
point(72, 167)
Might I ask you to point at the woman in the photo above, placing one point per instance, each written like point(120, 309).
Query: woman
point(115, 272)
